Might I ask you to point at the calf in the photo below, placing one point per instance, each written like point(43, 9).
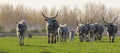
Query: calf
point(63, 32)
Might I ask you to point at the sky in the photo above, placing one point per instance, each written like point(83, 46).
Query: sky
point(38, 4)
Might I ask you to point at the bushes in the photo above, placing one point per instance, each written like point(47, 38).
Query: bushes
point(38, 31)
point(43, 30)
point(2, 29)
point(13, 30)
point(28, 31)
point(34, 31)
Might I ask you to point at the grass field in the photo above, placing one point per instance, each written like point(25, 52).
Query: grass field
point(38, 44)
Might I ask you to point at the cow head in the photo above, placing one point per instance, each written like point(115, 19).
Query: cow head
point(109, 25)
point(21, 25)
point(50, 20)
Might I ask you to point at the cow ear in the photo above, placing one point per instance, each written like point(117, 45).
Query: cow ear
point(45, 19)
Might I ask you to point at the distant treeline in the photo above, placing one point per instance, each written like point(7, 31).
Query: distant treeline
point(91, 13)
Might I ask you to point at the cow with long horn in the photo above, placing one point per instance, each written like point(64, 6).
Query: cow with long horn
point(52, 28)
point(111, 29)
point(83, 30)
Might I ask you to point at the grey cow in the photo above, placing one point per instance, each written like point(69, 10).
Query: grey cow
point(52, 28)
point(111, 29)
point(86, 31)
point(99, 29)
point(63, 32)
point(83, 31)
point(95, 30)
point(21, 29)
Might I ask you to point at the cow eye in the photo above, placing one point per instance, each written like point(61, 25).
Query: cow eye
point(105, 25)
point(45, 19)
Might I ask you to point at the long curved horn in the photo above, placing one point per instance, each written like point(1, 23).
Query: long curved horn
point(81, 21)
point(56, 15)
point(44, 15)
point(104, 20)
point(115, 19)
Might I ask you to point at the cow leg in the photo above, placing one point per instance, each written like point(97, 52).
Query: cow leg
point(113, 37)
point(92, 37)
point(23, 41)
point(100, 37)
point(109, 38)
point(81, 38)
point(52, 39)
point(61, 38)
point(48, 38)
point(20, 40)
point(57, 36)
point(96, 37)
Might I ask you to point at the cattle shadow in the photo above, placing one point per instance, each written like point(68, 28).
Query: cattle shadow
point(104, 41)
point(46, 52)
point(3, 52)
point(37, 46)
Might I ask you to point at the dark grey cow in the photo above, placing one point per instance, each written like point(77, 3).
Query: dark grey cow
point(83, 31)
point(52, 28)
point(63, 32)
point(99, 29)
point(92, 32)
point(111, 29)
point(21, 29)
point(86, 31)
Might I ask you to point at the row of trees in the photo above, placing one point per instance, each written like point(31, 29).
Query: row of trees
point(91, 13)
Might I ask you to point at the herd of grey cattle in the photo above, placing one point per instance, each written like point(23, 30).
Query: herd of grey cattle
point(57, 32)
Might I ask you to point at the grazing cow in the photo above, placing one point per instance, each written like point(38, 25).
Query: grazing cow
point(52, 28)
point(21, 29)
point(111, 29)
point(63, 32)
point(99, 29)
point(71, 35)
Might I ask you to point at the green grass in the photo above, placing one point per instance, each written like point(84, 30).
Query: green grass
point(38, 44)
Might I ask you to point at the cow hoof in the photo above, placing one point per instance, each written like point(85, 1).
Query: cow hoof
point(54, 42)
point(112, 41)
point(48, 41)
point(20, 44)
